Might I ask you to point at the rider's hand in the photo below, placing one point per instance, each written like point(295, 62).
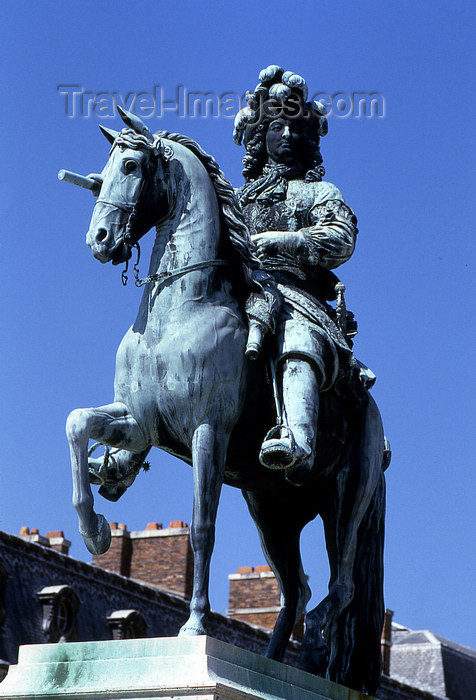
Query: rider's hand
point(271, 242)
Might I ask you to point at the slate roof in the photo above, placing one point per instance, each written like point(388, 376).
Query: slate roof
point(433, 664)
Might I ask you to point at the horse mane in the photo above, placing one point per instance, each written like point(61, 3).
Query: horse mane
point(231, 215)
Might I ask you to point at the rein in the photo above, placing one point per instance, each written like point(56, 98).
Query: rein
point(158, 277)
point(124, 276)
point(123, 206)
point(161, 277)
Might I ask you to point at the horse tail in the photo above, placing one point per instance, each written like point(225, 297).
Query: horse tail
point(354, 635)
point(361, 622)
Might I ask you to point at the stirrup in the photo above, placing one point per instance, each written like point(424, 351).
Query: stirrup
point(278, 448)
point(97, 468)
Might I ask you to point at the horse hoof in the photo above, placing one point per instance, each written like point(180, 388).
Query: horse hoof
point(314, 660)
point(101, 540)
point(191, 630)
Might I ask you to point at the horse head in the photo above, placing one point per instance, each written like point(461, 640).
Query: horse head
point(133, 194)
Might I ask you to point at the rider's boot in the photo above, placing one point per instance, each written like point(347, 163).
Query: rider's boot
point(256, 334)
point(115, 471)
point(294, 449)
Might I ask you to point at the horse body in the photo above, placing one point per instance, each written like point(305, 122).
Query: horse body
point(183, 384)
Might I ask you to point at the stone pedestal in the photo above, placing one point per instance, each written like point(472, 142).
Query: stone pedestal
point(185, 668)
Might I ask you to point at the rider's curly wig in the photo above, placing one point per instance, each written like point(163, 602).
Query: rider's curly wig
point(256, 156)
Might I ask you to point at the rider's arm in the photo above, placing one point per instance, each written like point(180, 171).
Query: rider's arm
point(328, 241)
point(331, 236)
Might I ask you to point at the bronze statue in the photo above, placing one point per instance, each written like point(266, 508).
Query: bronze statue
point(183, 383)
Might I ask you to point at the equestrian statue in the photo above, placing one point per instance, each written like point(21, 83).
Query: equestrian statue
point(240, 363)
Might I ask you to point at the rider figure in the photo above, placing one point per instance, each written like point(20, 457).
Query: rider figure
point(302, 229)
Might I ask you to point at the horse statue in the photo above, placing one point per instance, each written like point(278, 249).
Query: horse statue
point(183, 384)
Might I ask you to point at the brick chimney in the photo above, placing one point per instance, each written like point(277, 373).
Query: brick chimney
point(255, 598)
point(33, 535)
point(58, 542)
point(54, 539)
point(118, 556)
point(158, 556)
point(386, 642)
point(163, 557)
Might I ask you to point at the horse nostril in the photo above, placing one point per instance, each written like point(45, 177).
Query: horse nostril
point(101, 235)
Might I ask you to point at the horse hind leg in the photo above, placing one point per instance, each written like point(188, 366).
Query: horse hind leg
point(363, 618)
point(325, 623)
point(315, 648)
point(280, 519)
point(111, 425)
point(342, 639)
point(350, 531)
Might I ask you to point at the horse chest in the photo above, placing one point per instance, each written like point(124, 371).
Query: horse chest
point(168, 372)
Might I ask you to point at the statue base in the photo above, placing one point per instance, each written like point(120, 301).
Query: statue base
point(182, 668)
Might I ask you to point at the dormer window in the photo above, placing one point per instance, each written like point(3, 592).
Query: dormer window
point(60, 607)
point(127, 624)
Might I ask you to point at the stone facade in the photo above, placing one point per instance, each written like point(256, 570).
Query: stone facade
point(254, 596)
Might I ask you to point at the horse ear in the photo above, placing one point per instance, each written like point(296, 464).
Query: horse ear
point(135, 123)
point(110, 134)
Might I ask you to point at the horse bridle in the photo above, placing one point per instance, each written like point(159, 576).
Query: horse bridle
point(128, 238)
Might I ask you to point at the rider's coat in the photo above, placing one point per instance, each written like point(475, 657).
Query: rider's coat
point(327, 230)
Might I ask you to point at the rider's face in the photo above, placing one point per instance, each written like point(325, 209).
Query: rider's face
point(284, 141)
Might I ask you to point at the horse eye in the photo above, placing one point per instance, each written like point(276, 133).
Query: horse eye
point(130, 166)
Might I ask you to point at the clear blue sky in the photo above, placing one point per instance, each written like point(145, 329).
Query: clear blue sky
point(409, 178)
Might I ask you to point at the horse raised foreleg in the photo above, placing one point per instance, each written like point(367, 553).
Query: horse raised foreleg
point(208, 453)
point(111, 425)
